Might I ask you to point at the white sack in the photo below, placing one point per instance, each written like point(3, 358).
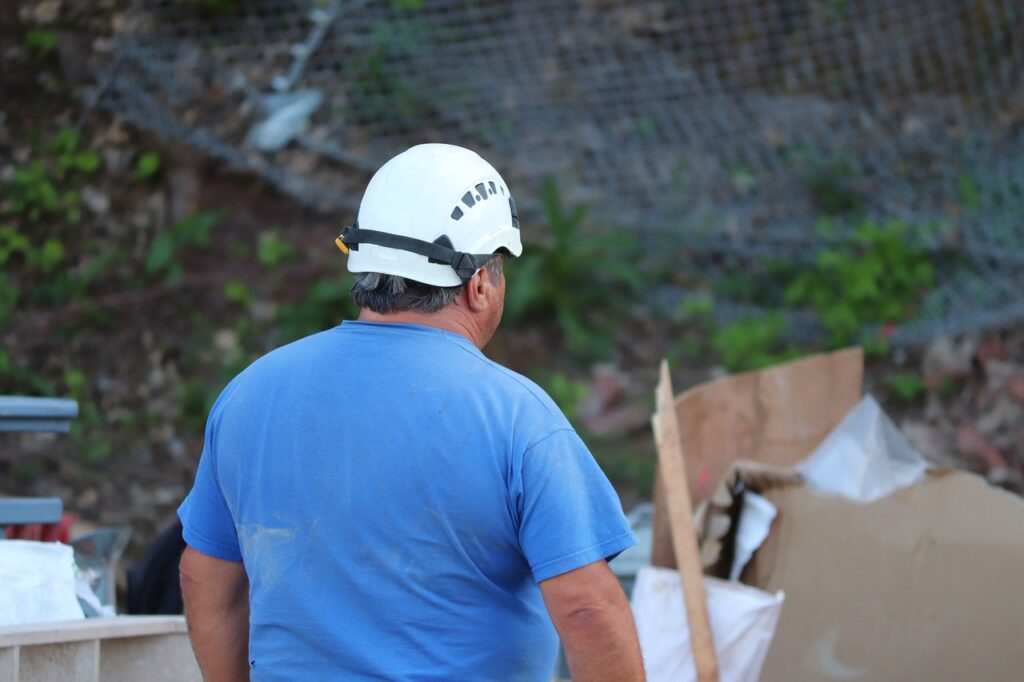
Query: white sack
point(37, 583)
point(743, 621)
point(864, 458)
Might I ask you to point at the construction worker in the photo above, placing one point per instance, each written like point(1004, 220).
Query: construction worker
point(380, 501)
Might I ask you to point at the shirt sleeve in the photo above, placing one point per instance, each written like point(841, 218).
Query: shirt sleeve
point(570, 515)
point(206, 519)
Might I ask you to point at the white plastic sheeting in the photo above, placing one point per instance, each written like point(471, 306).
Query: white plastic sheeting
point(754, 526)
point(37, 583)
point(743, 621)
point(864, 458)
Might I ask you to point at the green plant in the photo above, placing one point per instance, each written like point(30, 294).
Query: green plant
point(163, 256)
point(273, 250)
point(970, 197)
point(753, 343)
point(568, 393)
point(67, 284)
point(70, 158)
point(238, 293)
point(87, 429)
point(381, 93)
point(147, 166)
point(197, 398)
point(830, 181)
point(47, 185)
point(327, 303)
point(875, 276)
point(697, 308)
point(12, 244)
point(41, 42)
point(15, 379)
point(36, 269)
point(575, 279)
point(906, 386)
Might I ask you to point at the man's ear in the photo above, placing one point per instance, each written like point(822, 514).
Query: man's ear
point(478, 291)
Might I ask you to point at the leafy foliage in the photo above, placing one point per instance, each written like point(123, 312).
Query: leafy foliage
point(273, 250)
point(41, 42)
point(574, 279)
point(46, 186)
point(754, 343)
point(147, 166)
point(568, 393)
point(163, 257)
point(874, 276)
point(327, 303)
point(906, 386)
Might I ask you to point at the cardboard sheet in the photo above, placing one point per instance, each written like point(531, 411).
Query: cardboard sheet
point(775, 416)
point(921, 585)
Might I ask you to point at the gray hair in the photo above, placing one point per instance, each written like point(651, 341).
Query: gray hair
point(385, 294)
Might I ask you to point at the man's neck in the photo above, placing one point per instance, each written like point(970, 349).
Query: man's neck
point(448, 320)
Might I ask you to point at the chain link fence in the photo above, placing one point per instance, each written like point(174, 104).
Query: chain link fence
point(726, 129)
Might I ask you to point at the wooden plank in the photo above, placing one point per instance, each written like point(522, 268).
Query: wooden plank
point(663, 552)
point(684, 537)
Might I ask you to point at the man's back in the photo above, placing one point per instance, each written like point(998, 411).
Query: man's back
point(396, 498)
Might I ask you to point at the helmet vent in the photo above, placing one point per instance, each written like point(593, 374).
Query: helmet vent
point(456, 213)
point(468, 200)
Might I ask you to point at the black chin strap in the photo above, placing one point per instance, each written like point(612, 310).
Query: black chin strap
point(464, 264)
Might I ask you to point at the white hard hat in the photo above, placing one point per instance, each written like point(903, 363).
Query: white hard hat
point(433, 214)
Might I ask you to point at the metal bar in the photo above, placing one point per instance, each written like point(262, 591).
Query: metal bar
point(14, 510)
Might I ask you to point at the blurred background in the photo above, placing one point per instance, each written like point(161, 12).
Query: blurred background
point(725, 183)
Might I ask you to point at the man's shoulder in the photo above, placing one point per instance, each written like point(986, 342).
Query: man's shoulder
point(522, 390)
point(287, 361)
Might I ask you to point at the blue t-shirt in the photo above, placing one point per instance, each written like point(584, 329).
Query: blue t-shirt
point(396, 497)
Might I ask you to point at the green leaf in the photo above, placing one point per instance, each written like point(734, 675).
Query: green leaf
point(160, 253)
point(87, 162)
point(238, 292)
point(273, 250)
point(64, 142)
point(51, 255)
point(907, 387)
point(147, 166)
point(969, 194)
point(41, 42)
point(9, 294)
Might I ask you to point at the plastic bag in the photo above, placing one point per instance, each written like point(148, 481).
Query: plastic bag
point(864, 458)
point(743, 621)
point(37, 583)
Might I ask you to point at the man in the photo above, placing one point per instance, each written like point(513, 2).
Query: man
point(380, 501)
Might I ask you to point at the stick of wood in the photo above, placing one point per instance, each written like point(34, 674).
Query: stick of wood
point(684, 535)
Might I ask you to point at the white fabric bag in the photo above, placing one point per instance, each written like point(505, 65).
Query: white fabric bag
point(743, 621)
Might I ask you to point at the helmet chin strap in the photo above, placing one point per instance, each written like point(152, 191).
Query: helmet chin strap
point(464, 264)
